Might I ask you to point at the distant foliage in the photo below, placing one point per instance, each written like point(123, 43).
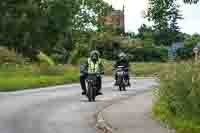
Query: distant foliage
point(109, 45)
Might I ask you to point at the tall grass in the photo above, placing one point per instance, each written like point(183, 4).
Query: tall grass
point(179, 97)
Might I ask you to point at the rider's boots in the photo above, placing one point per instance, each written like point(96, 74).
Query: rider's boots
point(115, 84)
point(84, 93)
point(99, 88)
point(83, 85)
point(99, 93)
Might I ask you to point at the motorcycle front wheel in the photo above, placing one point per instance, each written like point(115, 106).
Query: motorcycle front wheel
point(91, 93)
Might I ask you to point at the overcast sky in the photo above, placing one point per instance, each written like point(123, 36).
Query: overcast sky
point(134, 19)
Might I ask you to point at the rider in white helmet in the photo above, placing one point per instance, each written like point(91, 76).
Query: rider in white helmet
point(122, 60)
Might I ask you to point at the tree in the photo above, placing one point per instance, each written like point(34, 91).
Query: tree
point(89, 14)
point(87, 22)
point(144, 29)
point(47, 25)
point(33, 25)
point(174, 16)
point(146, 33)
point(164, 14)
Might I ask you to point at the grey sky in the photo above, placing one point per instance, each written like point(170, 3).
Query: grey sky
point(134, 19)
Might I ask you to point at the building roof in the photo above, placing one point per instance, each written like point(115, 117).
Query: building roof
point(116, 13)
point(178, 45)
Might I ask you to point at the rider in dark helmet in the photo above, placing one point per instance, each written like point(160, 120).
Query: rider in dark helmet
point(122, 60)
point(93, 65)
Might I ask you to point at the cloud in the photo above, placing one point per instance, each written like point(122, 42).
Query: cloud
point(191, 22)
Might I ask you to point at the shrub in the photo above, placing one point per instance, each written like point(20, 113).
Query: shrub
point(184, 53)
point(44, 59)
point(149, 54)
point(10, 57)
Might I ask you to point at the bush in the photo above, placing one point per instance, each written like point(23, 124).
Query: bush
point(184, 53)
point(148, 54)
point(179, 97)
point(10, 57)
point(44, 59)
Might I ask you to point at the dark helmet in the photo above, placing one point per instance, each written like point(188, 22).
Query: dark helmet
point(94, 55)
point(122, 56)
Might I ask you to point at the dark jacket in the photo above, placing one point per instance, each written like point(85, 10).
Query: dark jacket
point(124, 63)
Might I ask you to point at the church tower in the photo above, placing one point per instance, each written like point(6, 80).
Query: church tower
point(116, 19)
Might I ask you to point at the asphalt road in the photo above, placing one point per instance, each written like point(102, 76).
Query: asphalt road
point(60, 109)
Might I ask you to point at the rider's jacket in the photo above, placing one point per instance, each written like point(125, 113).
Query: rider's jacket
point(94, 67)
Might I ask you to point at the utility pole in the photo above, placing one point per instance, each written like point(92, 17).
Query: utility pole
point(123, 13)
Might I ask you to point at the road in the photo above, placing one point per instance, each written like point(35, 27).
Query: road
point(59, 109)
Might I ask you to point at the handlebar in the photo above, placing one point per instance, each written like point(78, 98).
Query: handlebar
point(100, 73)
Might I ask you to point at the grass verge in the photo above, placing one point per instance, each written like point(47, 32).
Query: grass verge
point(29, 77)
point(13, 78)
point(185, 123)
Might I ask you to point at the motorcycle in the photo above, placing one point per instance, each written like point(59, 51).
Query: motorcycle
point(92, 86)
point(122, 82)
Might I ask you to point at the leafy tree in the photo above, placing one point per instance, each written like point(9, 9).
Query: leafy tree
point(32, 25)
point(174, 29)
point(90, 14)
point(164, 14)
point(146, 33)
point(44, 25)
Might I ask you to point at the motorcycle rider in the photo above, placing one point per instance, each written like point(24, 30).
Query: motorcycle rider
point(122, 60)
point(93, 65)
